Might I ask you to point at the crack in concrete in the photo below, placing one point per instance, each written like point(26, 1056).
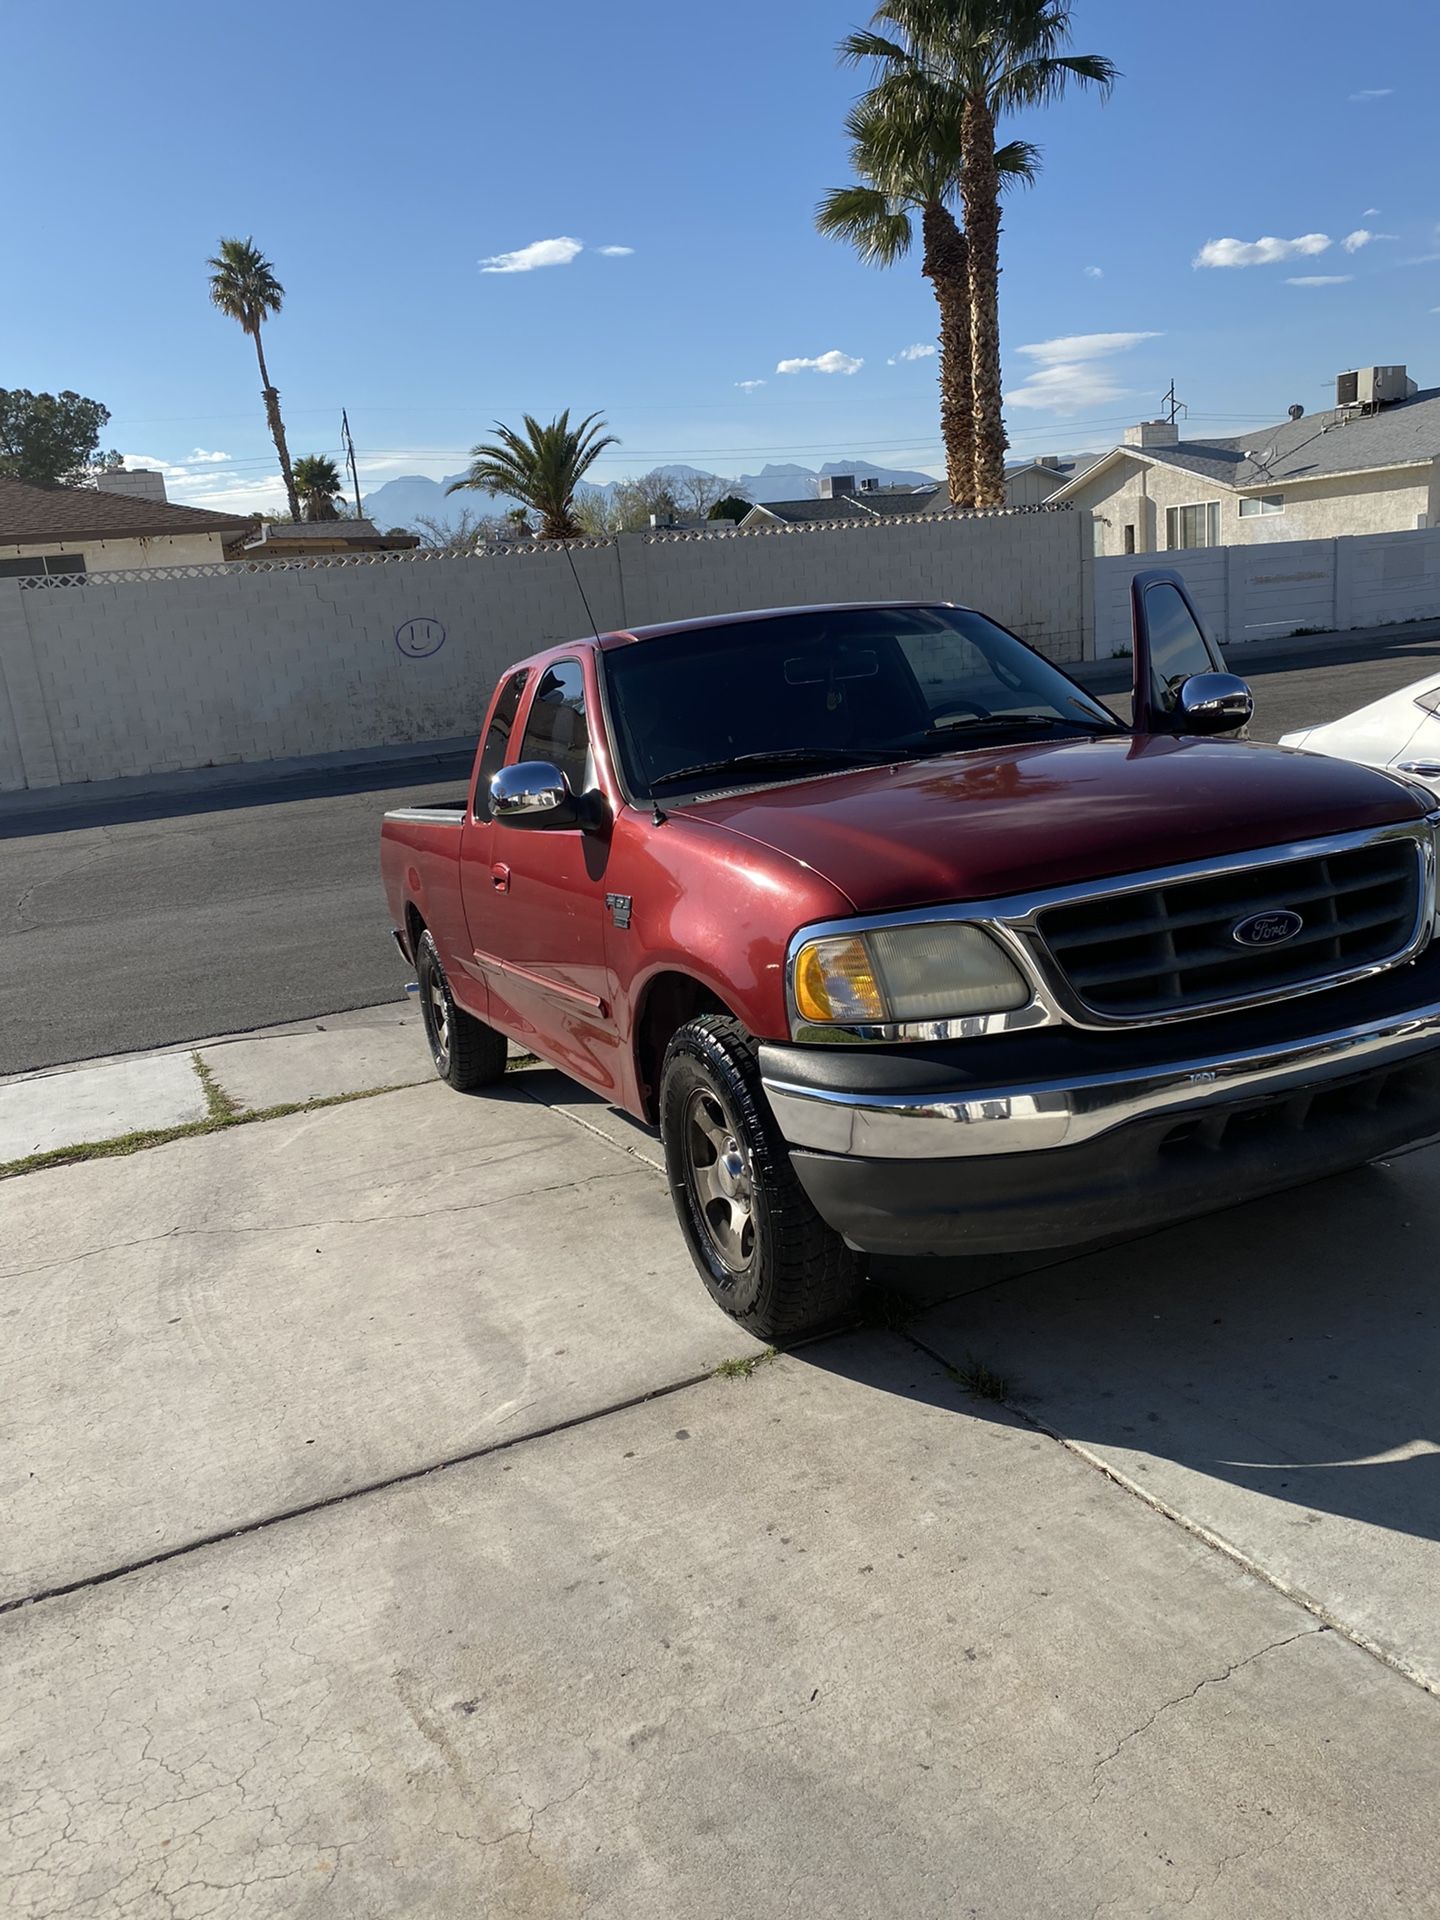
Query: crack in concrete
point(1182, 1699)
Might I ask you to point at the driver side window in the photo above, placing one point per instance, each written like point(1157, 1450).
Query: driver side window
point(1177, 646)
point(556, 728)
point(497, 740)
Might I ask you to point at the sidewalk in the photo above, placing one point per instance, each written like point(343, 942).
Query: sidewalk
point(392, 1526)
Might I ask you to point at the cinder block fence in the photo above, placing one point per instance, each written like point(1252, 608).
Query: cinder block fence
point(131, 674)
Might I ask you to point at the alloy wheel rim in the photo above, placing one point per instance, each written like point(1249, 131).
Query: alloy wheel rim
point(721, 1180)
point(437, 1013)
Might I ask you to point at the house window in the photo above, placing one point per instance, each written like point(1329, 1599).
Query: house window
point(43, 564)
point(1259, 503)
point(1129, 537)
point(1193, 526)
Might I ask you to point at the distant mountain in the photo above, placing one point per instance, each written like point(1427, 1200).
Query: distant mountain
point(803, 483)
point(400, 502)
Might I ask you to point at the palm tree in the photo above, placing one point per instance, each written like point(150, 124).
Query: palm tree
point(995, 57)
point(317, 480)
point(243, 286)
point(541, 468)
point(906, 137)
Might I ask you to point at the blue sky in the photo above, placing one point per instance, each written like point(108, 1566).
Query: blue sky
point(379, 155)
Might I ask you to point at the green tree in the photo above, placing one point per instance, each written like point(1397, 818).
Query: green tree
point(732, 507)
point(51, 439)
point(540, 467)
point(992, 57)
point(317, 481)
point(243, 286)
point(906, 138)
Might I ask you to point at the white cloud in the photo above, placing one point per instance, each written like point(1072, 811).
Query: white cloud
point(1067, 380)
point(832, 362)
point(263, 493)
point(1083, 346)
point(1094, 273)
point(148, 463)
point(1373, 93)
point(200, 457)
point(749, 386)
point(1369, 213)
point(1361, 237)
point(539, 253)
point(1319, 279)
point(1258, 253)
point(922, 350)
point(1420, 260)
point(616, 253)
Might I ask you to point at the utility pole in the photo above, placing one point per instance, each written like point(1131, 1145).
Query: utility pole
point(347, 440)
point(1172, 407)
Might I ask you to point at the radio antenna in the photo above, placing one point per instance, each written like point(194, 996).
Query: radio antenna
point(575, 576)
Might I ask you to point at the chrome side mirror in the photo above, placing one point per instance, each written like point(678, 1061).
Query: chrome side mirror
point(537, 795)
point(1214, 703)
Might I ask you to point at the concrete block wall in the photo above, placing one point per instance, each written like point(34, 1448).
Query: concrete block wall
point(1283, 586)
point(154, 673)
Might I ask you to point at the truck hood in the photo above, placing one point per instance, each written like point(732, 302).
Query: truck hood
point(976, 825)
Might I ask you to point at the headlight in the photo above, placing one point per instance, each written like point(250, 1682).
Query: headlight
point(934, 970)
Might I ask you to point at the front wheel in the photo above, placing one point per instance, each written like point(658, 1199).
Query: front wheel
point(764, 1253)
point(466, 1052)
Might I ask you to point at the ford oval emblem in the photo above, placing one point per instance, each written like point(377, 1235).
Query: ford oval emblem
point(1267, 929)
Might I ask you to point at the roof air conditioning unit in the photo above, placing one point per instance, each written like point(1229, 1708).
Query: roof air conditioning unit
point(1372, 387)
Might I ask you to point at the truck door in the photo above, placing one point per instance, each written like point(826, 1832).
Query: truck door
point(535, 902)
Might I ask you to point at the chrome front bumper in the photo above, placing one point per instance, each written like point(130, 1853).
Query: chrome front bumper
point(1039, 1116)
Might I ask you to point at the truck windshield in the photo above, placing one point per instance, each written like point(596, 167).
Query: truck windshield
point(784, 697)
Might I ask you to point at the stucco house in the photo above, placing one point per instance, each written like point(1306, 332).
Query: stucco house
point(1370, 464)
point(1032, 483)
point(75, 530)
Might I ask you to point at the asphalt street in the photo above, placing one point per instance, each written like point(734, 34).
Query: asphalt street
point(144, 923)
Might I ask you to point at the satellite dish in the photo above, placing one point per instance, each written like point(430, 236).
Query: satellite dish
point(1297, 412)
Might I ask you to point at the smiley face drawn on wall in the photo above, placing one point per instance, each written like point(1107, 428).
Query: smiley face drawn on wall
point(417, 639)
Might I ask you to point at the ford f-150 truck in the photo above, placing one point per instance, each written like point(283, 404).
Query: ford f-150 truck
point(907, 944)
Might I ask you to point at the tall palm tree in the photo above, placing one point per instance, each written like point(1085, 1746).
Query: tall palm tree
point(317, 481)
point(906, 137)
point(243, 286)
point(996, 56)
point(541, 468)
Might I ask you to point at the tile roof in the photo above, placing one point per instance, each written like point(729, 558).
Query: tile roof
point(30, 513)
point(1334, 441)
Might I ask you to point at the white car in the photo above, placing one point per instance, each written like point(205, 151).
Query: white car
point(1402, 732)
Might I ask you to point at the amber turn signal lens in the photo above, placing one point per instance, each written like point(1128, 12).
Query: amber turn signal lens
point(834, 980)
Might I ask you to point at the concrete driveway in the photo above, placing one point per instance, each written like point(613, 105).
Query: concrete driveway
point(379, 1538)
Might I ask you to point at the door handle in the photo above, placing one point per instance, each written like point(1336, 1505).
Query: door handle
point(1424, 769)
point(500, 878)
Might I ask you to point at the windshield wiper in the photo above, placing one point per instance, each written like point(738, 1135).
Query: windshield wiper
point(780, 757)
point(1003, 722)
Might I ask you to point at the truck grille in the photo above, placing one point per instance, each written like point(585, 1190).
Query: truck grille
point(1172, 947)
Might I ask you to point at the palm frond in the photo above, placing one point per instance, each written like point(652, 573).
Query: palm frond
point(861, 45)
point(1017, 163)
point(540, 465)
point(243, 283)
point(879, 229)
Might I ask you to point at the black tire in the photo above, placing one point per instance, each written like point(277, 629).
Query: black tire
point(764, 1253)
point(466, 1052)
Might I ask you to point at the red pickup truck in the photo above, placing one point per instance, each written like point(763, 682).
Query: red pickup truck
point(907, 944)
